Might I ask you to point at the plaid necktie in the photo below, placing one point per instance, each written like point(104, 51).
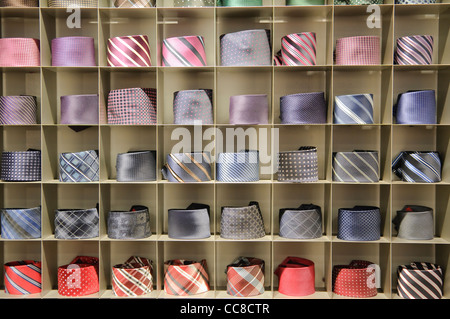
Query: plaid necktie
point(250, 109)
point(79, 167)
point(356, 167)
point(129, 51)
point(134, 3)
point(301, 166)
point(303, 108)
point(353, 109)
point(79, 109)
point(414, 1)
point(132, 224)
point(136, 166)
point(19, 3)
point(79, 277)
point(238, 167)
point(299, 49)
point(245, 277)
point(184, 51)
point(296, 277)
point(184, 277)
point(246, 48)
point(21, 223)
point(420, 280)
point(132, 106)
point(190, 223)
point(188, 167)
point(18, 110)
point(76, 223)
point(359, 50)
point(21, 166)
point(23, 277)
point(360, 223)
point(240, 3)
point(418, 167)
point(413, 50)
point(73, 51)
point(194, 3)
point(416, 107)
point(358, 279)
point(414, 222)
point(133, 278)
point(242, 222)
point(19, 52)
point(193, 107)
point(75, 3)
point(304, 222)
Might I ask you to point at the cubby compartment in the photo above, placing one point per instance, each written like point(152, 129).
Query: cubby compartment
point(21, 138)
point(19, 23)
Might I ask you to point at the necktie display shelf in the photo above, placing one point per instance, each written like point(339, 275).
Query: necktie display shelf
point(384, 80)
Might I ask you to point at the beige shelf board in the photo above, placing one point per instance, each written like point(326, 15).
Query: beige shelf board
point(378, 296)
point(267, 238)
point(277, 238)
point(316, 295)
point(222, 294)
point(114, 181)
point(165, 237)
point(334, 239)
point(105, 238)
point(109, 294)
point(56, 181)
point(206, 295)
point(435, 240)
point(52, 238)
point(53, 294)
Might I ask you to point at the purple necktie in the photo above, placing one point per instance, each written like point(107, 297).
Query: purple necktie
point(73, 51)
point(79, 109)
point(303, 108)
point(249, 109)
point(20, 52)
point(18, 110)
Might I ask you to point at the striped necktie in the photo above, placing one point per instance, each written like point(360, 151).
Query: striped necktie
point(249, 109)
point(21, 223)
point(420, 280)
point(304, 222)
point(73, 3)
point(79, 277)
point(188, 167)
point(356, 167)
point(136, 166)
point(194, 3)
point(133, 278)
point(193, 107)
point(20, 52)
point(134, 3)
point(132, 224)
point(358, 279)
point(303, 108)
point(416, 107)
point(23, 277)
point(418, 167)
point(190, 223)
point(18, 110)
point(413, 50)
point(296, 277)
point(245, 277)
point(360, 223)
point(244, 222)
point(132, 106)
point(299, 49)
point(301, 166)
point(184, 51)
point(21, 166)
point(19, 3)
point(76, 223)
point(238, 167)
point(73, 51)
point(185, 277)
point(79, 109)
point(129, 51)
point(353, 109)
point(359, 50)
point(414, 222)
point(79, 167)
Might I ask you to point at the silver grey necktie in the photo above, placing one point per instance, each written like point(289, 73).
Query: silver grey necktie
point(21, 166)
point(360, 223)
point(356, 167)
point(238, 167)
point(76, 223)
point(136, 166)
point(304, 222)
point(21, 223)
point(79, 167)
point(133, 224)
point(190, 223)
point(242, 222)
point(194, 3)
point(188, 167)
point(414, 222)
point(301, 166)
point(418, 166)
point(193, 107)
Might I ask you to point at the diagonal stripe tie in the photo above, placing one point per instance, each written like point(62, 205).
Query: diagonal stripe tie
point(299, 49)
point(414, 50)
point(188, 167)
point(420, 280)
point(185, 277)
point(356, 167)
point(21, 223)
point(184, 51)
point(353, 109)
point(238, 167)
point(18, 110)
point(418, 166)
point(23, 277)
point(129, 51)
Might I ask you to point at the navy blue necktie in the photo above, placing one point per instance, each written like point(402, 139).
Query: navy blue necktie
point(360, 223)
point(353, 109)
point(418, 167)
point(416, 107)
point(303, 108)
point(21, 166)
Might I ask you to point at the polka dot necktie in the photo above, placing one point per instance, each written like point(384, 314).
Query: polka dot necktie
point(360, 223)
point(73, 51)
point(303, 108)
point(21, 166)
point(238, 167)
point(414, 1)
point(79, 277)
point(414, 50)
point(79, 167)
point(184, 51)
point(132, 224)
point(414, 222)
point(76, 223)
point(193, 107)
point(296, 277)
point(133, 278)
point(129, 51)
point(356, 167)
point(134, 3)
point(358, 50)
point(353, 109)
point(23, 277)
point(188, 167)
point(418, 167)
point(300, 166)
point(245, 277)
point(18, 110)
point(19, 52)
point(244, 222)
point(19, 3)
point(21, 223)
point(420, 280)
point(132, 106)
point(304, 222)
point(185, 277)
point(357, 280)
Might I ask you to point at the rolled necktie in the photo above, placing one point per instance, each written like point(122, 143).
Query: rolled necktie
point(415, 1)
point(353, 109)
point(414, 222)
point(72, 3)
point(194, 3)
point(188, 167)
point(184, 51)
point(301, 166)
point(250, 109)
point(241, 3)
point(296, 277)
point(136, 166)
point(132, 106)
point(303, 108)
point(19, 52)
point(242, 222)
point(190, 223)
point(21, 166)
point(418, 167)
point(73, 51)
point(304, 222)
point(420, 280)
point(134, 3)
point(132, 224)
point(129, 51)
point(356, 167)
point(246, 48)
point(358, 279)
point(245, 277)
point(357, 2)
point(19, 3)
point(80, 109)
point(79, 167)
point(133, 278)
point(18, 110)
point(299, 49)
point(23, 277)
point(359, 50)
point(414, 50)
point(193, 107)
point(238, 167)
point(304, 2)
point(21, 223)
point(185, 277)
point(360, 223)
point(76, 223)
point(79, 277)
point(416, 107)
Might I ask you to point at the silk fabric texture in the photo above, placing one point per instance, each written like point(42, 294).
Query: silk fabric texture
point(21, 223)
point(245, 222)
point(414, 222)
point(134, 3)
point(193, 107)
point(186, 51)
point(132, 224)
point(79, 167)
point(301, 166)
point(194, 167)
point(19, 52)
point(420, 280)
point(414, 50)
point(357, 166)
point(194, 3)
point(18, 110)
point(304, 222)
point(76, 223)
point(360, 223)
point(296, 276)
point(136, 166)
point(79, 277)
point(129, 51)
point(73, 3)
point(190, 223)
point(416, 107)
point(73, 51)
point(238, 167)
point(80, 109)
point(250, 109)
point(418, 166)
point(245, 277)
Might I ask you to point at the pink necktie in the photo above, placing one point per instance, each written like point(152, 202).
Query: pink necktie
point(129, 51)
point(359, 50)
point(19, 52)
point(184, 51)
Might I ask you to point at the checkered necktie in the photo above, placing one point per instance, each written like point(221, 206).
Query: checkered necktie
point(188, 167)
point(134, 3)
point(194, 3)
point(240, 3)
point(303, 108)
point(136, 166)
point(76, 223)
point(21, 166)
point(242, 222)
point(193, 107)
point(129, 51)
point(356, 167)
point(358, 279)
point(245, 277)
point(249, 109)
point(414, 1)
point(414, 222)
point(73, 3)
point(414, 50)
point(20, 52)
point(238, 167)
point(21, 223)
point(133, 278)
point(79, 277)
point(190, 223)
point(132, 106)
point(185, 277)
point(18, 110)
point(184, 51)
point(416, 107)
point(301, 166)
point(353, 109)
point(23, 277)
point(73, 51)
point(19, 3)
point(79, 167)
point(304, 222)
point(299, 49)
point(359, 50)
point(420, 280)
point(360, 223)
point(132, 224)
point(418, 167)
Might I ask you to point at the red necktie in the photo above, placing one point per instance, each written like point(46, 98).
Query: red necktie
point(183, 278)
point(184, 51)
point(360, 50)
point(19, 52)
point(355, 280)
point(296, 277)
point(79, 278)
point(23, 277)
point(133, 278)
point(245, 277)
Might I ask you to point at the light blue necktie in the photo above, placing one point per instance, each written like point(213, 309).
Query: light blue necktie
point(79, 167)
point(353, 109)
point(238, 167)
point(416, 107)
point(21, 223)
